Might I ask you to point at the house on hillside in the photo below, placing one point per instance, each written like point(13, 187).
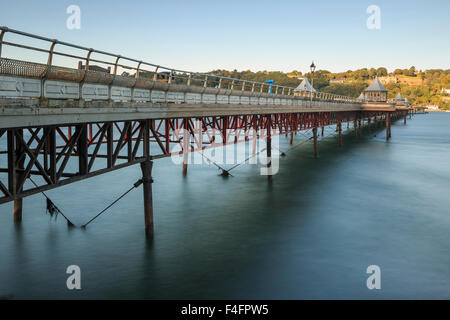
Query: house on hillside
point(337, 80)
point(388, 79)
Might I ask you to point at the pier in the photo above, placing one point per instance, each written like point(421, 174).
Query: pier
point(103, 120)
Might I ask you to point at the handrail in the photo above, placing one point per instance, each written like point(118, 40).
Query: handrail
point(202, 77)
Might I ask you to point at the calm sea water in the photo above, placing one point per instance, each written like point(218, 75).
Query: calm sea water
point(310, 234)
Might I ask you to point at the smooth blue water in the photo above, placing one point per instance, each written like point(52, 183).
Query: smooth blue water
point(310, 234)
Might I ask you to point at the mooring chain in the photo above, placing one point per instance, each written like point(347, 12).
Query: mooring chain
point(283, 153)
point(224, 171)
point(135, 185)
point(253, 155)
point(52, 209)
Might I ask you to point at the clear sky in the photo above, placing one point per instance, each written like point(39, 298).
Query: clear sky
point(246, 34)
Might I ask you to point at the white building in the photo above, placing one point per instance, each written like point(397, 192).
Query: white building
point(375, 92)
point(303, 87)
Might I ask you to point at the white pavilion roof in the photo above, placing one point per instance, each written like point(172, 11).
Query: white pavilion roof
point(304, 86)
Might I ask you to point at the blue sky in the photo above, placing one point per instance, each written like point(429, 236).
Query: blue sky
point(256, 35)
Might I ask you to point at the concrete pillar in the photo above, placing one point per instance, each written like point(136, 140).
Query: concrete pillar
point(147, 181)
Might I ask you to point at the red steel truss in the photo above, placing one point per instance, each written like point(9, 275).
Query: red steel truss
point(42, 158)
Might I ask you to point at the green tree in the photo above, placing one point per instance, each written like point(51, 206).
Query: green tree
point(382, 72)
point(412, 71)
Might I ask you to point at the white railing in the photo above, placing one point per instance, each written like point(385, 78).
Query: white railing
point(99, 79)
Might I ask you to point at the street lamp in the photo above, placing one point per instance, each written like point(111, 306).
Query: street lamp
point(313, 68)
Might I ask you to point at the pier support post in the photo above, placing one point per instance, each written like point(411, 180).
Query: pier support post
point(340, 133)
point(316, 155)
point(20, 165)
point(388, 126)
point(292, 136)
point(185, 166)
point(368, 124)
point(269, 157)
point(186, 140)
point(147, 181)
point(269, 149)
point(404, 118)
point(18, 210)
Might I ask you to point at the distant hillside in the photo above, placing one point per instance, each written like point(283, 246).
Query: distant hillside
point(420, 87)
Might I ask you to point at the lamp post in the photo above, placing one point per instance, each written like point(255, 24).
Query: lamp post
point(313, 68)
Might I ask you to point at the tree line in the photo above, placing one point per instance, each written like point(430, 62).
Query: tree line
point(427, 90)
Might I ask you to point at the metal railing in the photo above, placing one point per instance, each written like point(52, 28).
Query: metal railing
point(159, 73)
